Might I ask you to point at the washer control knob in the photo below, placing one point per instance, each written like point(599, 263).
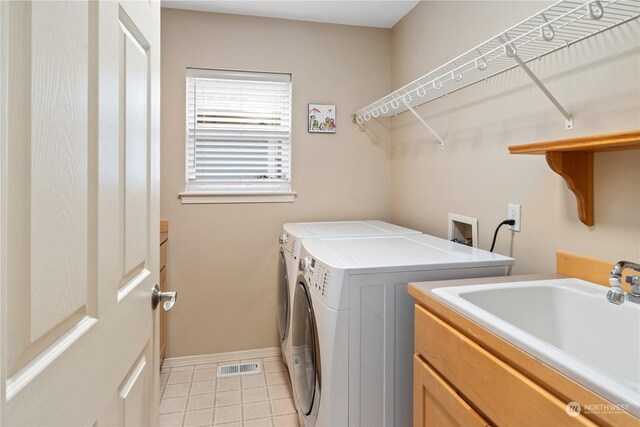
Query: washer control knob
point(305, 264)
point(283, 238)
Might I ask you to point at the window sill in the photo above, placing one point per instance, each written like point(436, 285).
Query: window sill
point(203, 197)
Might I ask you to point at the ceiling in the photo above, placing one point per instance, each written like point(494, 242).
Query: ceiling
point(377, 13)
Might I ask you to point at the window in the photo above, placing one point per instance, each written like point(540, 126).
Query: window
point(238, 137)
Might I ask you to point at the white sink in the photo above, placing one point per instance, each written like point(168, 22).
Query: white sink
point(566, 323)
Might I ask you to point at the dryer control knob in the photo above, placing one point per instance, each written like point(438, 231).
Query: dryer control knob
point(305, 264)
point(283, 238)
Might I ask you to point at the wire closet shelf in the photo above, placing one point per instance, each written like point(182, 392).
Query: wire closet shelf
point(559, 25)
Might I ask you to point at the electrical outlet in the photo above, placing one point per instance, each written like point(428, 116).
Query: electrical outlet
point(514, 213)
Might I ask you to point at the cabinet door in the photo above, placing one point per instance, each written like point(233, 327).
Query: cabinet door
point(436, 404)
point(163, 255)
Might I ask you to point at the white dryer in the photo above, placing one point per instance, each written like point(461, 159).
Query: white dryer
point(290, 243)
point(352, 329)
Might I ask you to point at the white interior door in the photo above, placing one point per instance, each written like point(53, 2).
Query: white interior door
point(79, 212)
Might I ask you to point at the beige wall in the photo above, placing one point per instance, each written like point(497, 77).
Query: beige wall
point(223, 258)
point(597, 80)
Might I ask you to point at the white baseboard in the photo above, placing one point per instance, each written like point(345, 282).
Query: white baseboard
point(219, 357)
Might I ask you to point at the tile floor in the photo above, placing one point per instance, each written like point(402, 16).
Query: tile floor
point(193, 396)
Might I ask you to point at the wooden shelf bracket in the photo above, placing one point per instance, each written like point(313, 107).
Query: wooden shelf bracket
point(576, 167)
point(572, 159)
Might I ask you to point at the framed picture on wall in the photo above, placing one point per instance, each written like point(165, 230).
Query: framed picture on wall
point(322, 118)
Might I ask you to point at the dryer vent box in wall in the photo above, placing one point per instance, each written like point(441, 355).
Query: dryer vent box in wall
point(464, 229)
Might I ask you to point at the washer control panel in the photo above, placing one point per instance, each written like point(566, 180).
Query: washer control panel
point(305, 264)
point(325, 282)
point(320, 278)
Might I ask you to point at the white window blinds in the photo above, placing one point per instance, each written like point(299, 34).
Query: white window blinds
point(238, 131)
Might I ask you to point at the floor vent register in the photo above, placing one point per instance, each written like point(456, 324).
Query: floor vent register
point(238, 369)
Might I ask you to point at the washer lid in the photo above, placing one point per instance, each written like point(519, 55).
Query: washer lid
point(400, 253)
point(344, 228)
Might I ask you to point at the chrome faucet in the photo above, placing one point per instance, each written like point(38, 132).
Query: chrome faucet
point(616, 295)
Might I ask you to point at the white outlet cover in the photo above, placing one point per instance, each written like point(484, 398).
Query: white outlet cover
point(513, 212)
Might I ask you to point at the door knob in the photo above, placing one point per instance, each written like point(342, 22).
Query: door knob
point(169, 298)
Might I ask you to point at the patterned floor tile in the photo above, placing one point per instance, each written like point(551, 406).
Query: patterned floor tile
point(193, 396)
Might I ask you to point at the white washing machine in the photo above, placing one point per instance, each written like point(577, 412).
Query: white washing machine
point(290, 243)
point(352, 329)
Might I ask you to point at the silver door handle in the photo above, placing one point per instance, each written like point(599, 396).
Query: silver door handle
point(169, 298)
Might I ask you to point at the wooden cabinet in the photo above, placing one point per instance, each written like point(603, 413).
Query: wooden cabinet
point(506, 396)
point(465, 375)
point(164, 238)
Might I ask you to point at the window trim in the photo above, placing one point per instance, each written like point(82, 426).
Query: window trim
point(196, 193)
point(207, 197)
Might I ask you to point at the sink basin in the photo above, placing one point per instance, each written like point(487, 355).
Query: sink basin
point(567, 324)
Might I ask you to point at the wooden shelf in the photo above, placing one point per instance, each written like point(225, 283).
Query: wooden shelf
point(573, 160)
